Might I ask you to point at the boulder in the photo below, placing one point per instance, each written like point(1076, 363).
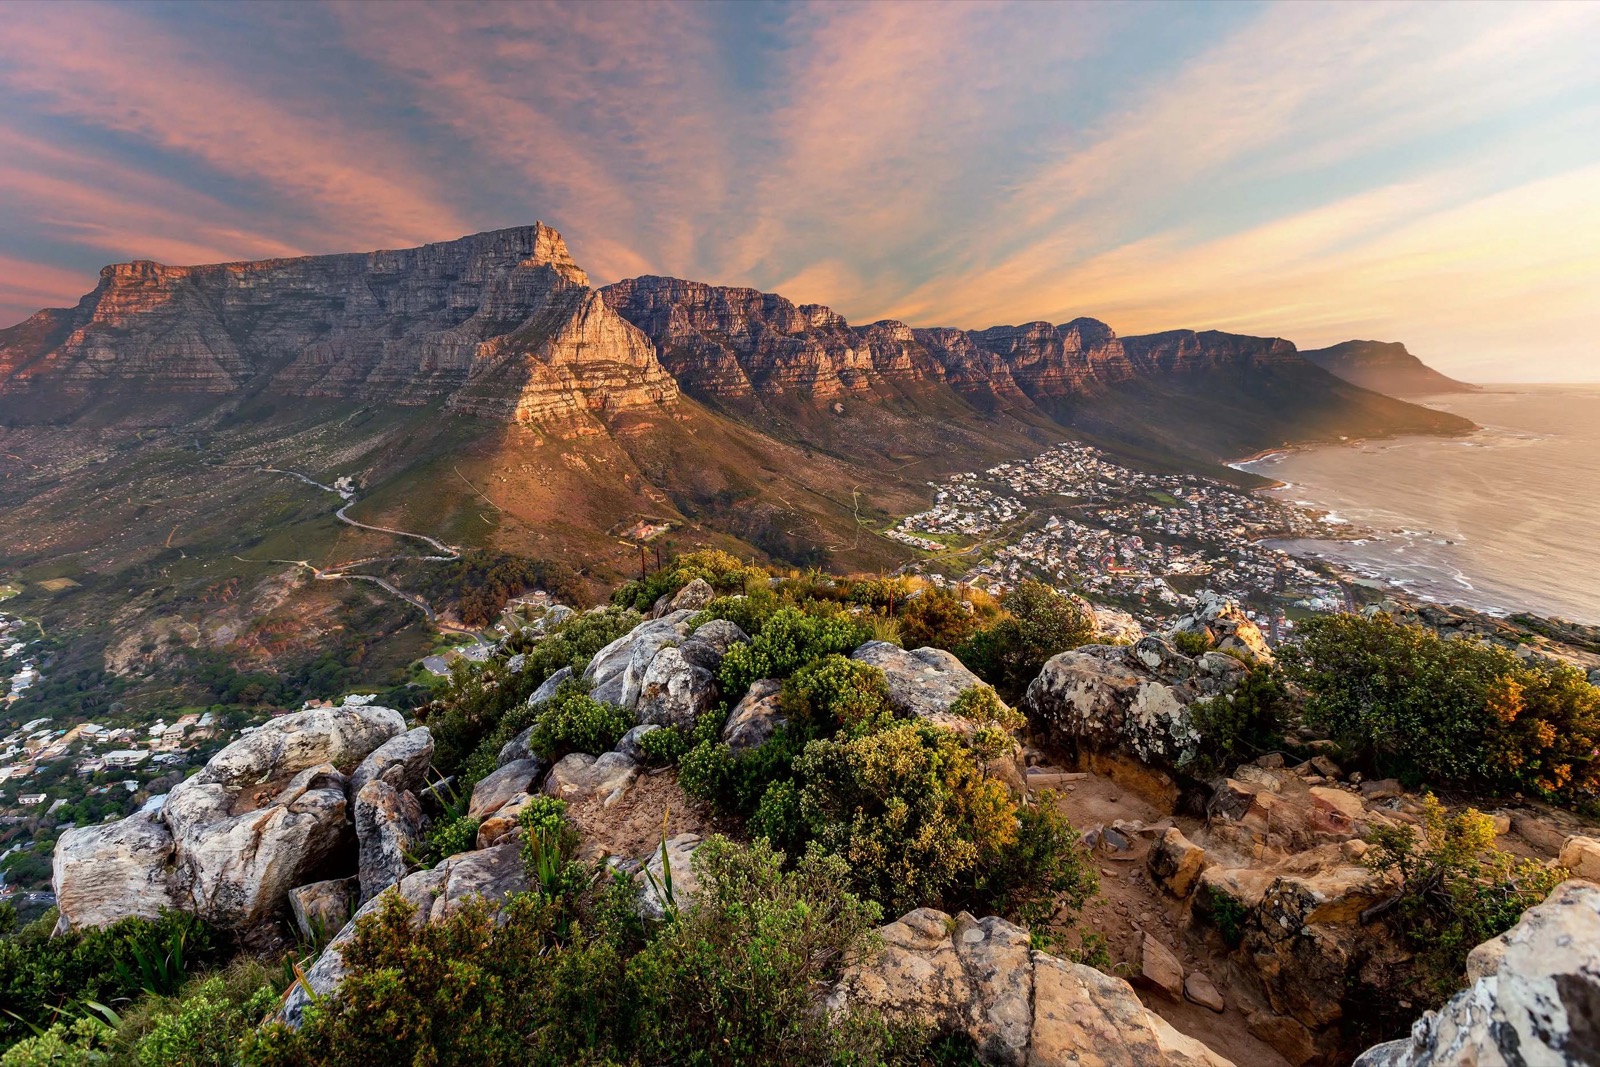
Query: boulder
point(548, 687)
point(341, 736)
point(708, 644)
point(923, 682)
point(241, 853)
point(517, 777)
point(1581, 856)
point(673, 691)
point(401, 761)
point(323, 906)
point(1534, 997)
point(1116, 627)
point(694, 596)
point(1199, 989)
point(1175, 862)
point(388, 823)
point(1021, 1008)
point(1155, 967)
point(685, 881)
point(580, 777)
point(502, 821)
point(630, 745)
point(756, 717)
point(491, 874)
point(617, 671)
point(113, 870)
point(1109, 703)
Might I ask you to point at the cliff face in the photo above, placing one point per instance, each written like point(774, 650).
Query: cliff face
point(496, 323)
point(1385, 367)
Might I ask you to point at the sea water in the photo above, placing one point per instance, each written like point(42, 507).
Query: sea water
point(1504, 519)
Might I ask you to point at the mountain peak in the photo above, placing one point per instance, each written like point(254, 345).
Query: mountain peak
point(1384, 367)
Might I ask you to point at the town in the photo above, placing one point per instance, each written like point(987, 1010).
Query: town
point(1077, 520)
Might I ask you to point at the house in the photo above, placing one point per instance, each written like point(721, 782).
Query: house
point(126, 757)
point(29, 800)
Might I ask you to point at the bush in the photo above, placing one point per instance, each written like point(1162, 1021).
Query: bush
point(908, 807)
point(573, 721)
point(666, 746)
point(723, 571)
point(1038, 623)
point(1240, 725)
point(788, 640)
point(43, 976)
point(1405, 701)
point(733, 980)
point(981, 705)
point(1457, 890)
point(835, 691)
point(205, 1026)
point(1192, 642)
point(938, 618)
point(1044, 870)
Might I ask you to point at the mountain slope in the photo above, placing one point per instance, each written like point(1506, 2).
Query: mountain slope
point(1384, 367)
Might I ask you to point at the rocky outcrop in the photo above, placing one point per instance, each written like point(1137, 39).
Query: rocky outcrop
point(1384, 367)
point(1224, 625)
point(616, 673)
point(1021, 1007)
point(268, 813)
point(758, 715)
point(580, 777)
point(673, 691)
point(1534, 997)
point(388, 822)
point(323, 907)
point(656, 890)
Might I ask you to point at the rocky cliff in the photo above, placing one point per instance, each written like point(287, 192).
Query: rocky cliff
point(1384, 367)
point(501, 323)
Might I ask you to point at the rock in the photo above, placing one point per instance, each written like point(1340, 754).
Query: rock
point(113, 870)
point(707, 645)
point(1175, 862)
point(502, 821)
point(548, 687)
point(1581, 856)
point(756, 717)
point(1381, 789)
point(1325, 767)
point(342, 736)
point(673, 691)
point(1117, 627)
point(1200, 989)
point(323, 907)
point(629, 744)
point(1155, 967)
point(1533, 999)
point(1272, 761)
point(1347, 804)
point(1021, 1008)
point(578, 777)
point(516, 777)
point(685, 881)
point(1110, 705)
point(609, 671)
point(401, 761)
point(694, 596)
point(1541, 833)
point(1291, 1040)
point(241, 853)
point(924, 682)
point(491, 874)
point(1256, 776)
point(388, 823)
point(1229, 628)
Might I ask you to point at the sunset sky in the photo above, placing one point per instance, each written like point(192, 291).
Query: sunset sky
point(1422, 173)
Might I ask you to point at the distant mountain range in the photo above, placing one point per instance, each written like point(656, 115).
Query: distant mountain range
point(483, 389)
point(1384, 367)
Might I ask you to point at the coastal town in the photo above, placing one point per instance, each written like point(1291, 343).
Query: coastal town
point(1077, 520)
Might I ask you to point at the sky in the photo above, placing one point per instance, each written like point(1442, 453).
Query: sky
point(1424, 173)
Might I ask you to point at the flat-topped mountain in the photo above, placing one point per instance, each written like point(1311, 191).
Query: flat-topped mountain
point(1385, 367)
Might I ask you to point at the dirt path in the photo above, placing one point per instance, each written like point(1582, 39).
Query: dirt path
point(1130, 906)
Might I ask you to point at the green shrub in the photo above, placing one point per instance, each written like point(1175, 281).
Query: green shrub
point(666, 746)
point(205, 1027)
point(84, 1042)
point(788, 640)
point(1044, 870)
point(732, 981)
point(908, 807)
point(1457, 890)
point(749, 612)
point(444, 839)
point(573, 721)
point(983, 705)
point(479, 698)
point(1192, 642)
point(939, 618)
point(1405, 701)
point(41, 975)
point(835, 691)
point(1240, 725)
point(1037, 624)
point(723, 571)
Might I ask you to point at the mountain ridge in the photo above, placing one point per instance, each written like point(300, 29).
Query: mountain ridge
point(1386, 367)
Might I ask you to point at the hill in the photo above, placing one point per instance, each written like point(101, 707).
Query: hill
point(1384, 367)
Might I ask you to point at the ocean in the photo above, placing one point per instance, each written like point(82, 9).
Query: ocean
point(1505, 519)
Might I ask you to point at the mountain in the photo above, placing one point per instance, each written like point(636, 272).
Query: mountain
point(482, 391)
point(1384, 367)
